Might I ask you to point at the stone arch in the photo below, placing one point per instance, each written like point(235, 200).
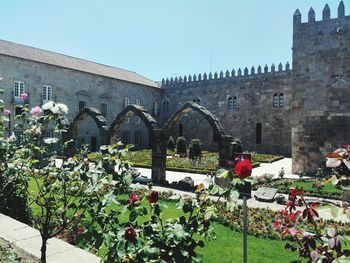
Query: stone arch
point(138, 111)
point(96, 116)
point(219, 136)
point(189, 106)
point(156, 138)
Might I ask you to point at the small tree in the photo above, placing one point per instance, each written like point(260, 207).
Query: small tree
point(171, 143)
point(181, 146)
point(195, 150)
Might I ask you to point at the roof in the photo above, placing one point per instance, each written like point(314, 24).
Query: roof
point(52, 58)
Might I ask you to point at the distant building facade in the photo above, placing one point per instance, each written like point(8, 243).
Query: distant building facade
point(300, 110)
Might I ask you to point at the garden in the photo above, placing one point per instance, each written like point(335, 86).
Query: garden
point(87, 199)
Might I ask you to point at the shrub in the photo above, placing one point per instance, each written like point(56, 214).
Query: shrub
point(195, 149)
point(181, 146)
point(171, 143)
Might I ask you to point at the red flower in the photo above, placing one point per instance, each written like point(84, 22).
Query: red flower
point(134, 198)
point(130, 234)
point(153, 197)
point(292, 231)
point(243, 168)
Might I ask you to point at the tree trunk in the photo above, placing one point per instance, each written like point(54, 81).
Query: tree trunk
point(43, 250)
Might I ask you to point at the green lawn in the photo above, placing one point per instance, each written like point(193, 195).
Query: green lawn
point(327, 188)
point(208, 163)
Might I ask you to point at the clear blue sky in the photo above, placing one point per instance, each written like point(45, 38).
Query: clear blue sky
point(161, 38)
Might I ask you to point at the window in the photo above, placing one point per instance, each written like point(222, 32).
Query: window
point(19, 136)
point(126, 102)
point(155, 108)
point(234, 103)
point(275, 100)
point(104, 109)
point(281, 100)
point(230, 103)
point(126, 137)
point(48, 134)
point(19, 89)
point(82, 105)
point(165, 106)
point(137, 137)
point(138, 102)
point(258, 133)
point(47, 93)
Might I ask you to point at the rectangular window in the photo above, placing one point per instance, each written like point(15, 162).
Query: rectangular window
point(137, 137)
point(19, 137)
point(48, 134)
point(138, 102)
point(47, 93)
point(104, 109)
point(19, 89)
point(126, 102)
point(82, 105)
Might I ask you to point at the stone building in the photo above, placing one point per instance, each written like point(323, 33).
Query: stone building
point(301, 110)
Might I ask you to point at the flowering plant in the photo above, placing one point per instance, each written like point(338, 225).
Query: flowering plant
point(339, 157)
point(316, 246)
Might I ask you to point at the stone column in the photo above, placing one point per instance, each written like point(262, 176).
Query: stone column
point(225, 149)
point(158, 142)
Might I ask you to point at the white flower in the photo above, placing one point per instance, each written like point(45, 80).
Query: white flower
point(50, 140)
point(48, 105)
point(62, 108)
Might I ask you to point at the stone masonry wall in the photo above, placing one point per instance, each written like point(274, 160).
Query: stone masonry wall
point(321, 82)
point(254, 93)
point(70, 86)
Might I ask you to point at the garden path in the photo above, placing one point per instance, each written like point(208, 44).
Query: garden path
point(271, 168)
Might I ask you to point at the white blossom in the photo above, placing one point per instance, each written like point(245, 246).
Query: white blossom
point(50, 140)
point(48, 105)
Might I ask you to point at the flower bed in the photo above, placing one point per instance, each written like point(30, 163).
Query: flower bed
point(10, 253)
point(328, 191)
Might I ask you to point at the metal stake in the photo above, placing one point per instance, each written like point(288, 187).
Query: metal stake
point(245, 228)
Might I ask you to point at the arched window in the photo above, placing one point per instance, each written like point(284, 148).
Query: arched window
point(275, 100)
point(258, 133)
point(234, 103)
point(165, 106)
point(230, 103)
point(281, 100)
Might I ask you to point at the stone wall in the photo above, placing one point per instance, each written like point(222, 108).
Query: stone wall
point(70, 86)
point(321, 82)
point(254, 92)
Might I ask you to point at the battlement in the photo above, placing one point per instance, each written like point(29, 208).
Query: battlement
point(326, 15)
point(227, 76)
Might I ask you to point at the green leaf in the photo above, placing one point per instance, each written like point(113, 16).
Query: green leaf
point(133, 215)
point(222, 173)
point(95, 157)
point(335, 211)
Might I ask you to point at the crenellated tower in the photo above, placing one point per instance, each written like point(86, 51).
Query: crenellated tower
point(320, 87)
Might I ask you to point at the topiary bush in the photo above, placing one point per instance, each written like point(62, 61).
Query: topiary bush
point(171, 143)
point(195, 150)
point(181, 146)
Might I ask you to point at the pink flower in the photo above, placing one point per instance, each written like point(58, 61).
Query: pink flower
point(36, 111)
point(24, 96)
point(7, 113)
point(133, 199)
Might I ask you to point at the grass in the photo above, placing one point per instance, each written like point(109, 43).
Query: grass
point(327, 188)
point(208, 163)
